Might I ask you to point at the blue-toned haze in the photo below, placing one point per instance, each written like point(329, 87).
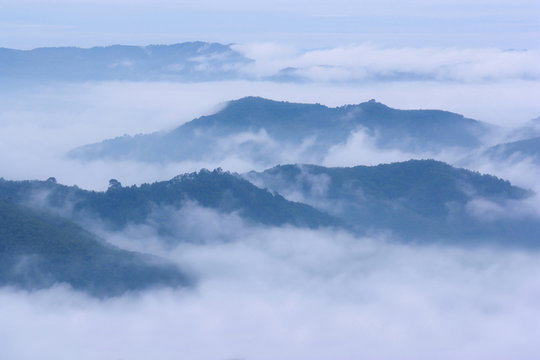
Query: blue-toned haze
point(313, 246)
point(499, 24)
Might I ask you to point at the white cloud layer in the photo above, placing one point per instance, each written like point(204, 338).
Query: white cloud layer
point(367, 62)
point(275, 293)
point(294, 294)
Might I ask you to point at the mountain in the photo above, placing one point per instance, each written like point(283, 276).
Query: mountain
point(190, 61)
point(416, 200)
point(119, 206)
point(516, 150)
point(529, 130)
point(272, 132)
point(38, 249)
point(422, 200)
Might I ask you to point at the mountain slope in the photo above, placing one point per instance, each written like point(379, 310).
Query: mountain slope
point(266, 130)
point(417, 199)
point(120, 206)
point(38, 250)
point(529, 130)
point(517, 150)
point(190, 61)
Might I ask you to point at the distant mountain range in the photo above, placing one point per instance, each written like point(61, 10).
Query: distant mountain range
point(269, 131)
point(184, 62)
point(190, 61)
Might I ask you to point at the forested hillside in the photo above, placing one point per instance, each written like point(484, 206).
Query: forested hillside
point(38, 250)
point(416, 199)
point(261, 130)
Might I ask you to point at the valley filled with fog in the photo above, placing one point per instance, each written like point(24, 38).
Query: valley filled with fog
point(288, 293)
point(272, 203)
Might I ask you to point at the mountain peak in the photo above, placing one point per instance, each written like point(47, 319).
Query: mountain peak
point(373, 104)
point(262, 127)
point(257, 100)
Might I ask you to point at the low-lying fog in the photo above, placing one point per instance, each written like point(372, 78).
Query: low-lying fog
point(285, 293)
point(39, 124)
point(270, 293)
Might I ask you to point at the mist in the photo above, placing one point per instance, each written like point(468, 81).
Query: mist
point(286, 293)
point(39, 124)
point(367, 62)
point(283, 292)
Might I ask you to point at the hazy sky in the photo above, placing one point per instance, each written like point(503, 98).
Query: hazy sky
point(481, 23)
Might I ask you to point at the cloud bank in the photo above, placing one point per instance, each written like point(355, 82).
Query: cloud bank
point(371, 63)
point(285, 293)
point(279, 293)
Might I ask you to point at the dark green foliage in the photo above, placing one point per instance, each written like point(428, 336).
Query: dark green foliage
point(416, 199)
point(291, 124)
point(119, 206)
point(423, 200)
point(38, 249)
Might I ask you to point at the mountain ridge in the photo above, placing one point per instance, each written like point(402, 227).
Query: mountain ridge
point(119, 206)
point(261, 128)
point(424, 200)
point(521, 149)
point(189, 61)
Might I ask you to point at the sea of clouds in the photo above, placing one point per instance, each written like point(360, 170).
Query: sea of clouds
point(282, 293)
point(287, 293)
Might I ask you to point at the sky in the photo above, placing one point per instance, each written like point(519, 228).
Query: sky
point(26, 24)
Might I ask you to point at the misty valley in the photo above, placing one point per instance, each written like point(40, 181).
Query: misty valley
point(216, 201)
point(47, 230)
